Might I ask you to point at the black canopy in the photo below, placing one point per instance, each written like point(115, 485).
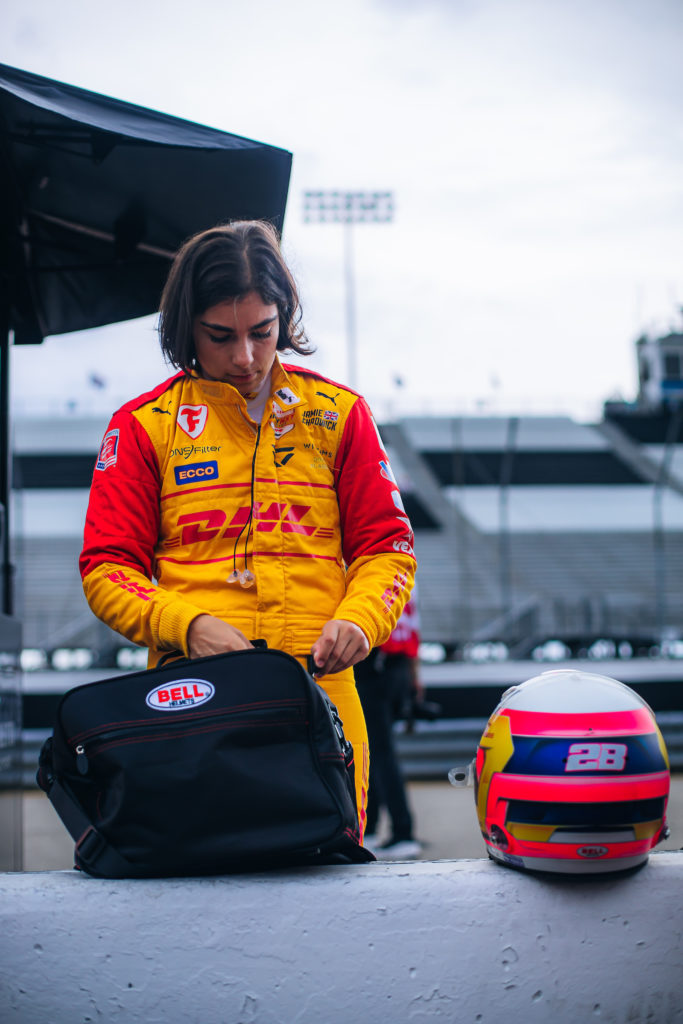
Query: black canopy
point(97, 194)
point(95, 197)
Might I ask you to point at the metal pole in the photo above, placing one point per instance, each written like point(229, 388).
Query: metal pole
point(351, 350)
point(464, 627)
point(349, 208)
point(504, 514)
point(6, 571)
point(658, 518)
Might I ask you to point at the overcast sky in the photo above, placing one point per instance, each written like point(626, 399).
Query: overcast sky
point(534, 149)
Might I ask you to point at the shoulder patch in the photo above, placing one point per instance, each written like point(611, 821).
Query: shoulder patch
point(109, 450)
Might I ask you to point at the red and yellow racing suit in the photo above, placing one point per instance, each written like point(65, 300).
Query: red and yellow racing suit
point(187, 487)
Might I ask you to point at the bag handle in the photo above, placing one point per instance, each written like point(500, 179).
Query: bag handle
point(177, 657)
point(169, 657)
point(311, 666)
point(93, 852)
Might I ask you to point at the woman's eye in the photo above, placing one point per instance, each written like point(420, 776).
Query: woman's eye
point(257, 335)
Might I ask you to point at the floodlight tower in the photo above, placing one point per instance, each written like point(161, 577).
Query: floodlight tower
point(349, 208)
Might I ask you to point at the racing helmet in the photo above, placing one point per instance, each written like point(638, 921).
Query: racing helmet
point(571, 775)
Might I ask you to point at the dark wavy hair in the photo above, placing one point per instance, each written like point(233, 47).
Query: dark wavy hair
point(227, 262)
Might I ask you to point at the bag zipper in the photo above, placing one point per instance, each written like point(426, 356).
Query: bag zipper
point(207, 724)
point(346, 747)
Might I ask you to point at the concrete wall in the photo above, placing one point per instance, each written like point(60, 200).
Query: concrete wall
point(445, 941)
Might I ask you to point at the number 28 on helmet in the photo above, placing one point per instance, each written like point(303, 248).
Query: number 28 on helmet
point(572, 775)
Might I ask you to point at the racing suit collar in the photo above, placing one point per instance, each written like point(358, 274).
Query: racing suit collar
point(281, 390)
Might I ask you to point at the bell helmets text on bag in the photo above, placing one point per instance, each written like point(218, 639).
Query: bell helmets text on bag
point(181, 693)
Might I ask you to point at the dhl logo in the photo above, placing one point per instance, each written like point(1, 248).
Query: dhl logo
point(397, 587)
point(211, 523)
point(126, 583)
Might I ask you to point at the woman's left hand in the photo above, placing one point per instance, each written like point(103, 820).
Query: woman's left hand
point(340, 645)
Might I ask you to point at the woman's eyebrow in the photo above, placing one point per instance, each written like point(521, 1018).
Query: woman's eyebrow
point(226, 330)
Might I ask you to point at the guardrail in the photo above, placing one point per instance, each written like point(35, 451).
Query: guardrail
point(426, 753)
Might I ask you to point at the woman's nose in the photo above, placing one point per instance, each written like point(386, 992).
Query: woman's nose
point(243, 352)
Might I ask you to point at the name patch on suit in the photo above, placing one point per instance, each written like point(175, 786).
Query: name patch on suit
point(196, 472)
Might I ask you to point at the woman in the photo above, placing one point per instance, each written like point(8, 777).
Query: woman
point(243, 498)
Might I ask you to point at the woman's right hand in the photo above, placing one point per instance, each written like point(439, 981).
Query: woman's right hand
point(209, 635)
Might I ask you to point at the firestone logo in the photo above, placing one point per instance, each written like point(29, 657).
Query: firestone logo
point(192, 419)
point(182, 693)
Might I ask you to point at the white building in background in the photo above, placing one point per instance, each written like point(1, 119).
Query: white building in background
point(660, 370)
point(52, 469)
point(528, 528)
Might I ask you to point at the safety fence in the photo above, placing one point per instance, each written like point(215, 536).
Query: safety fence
point(428, 752)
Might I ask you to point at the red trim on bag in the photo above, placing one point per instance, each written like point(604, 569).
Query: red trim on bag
point(216, 727)
point(188, 716)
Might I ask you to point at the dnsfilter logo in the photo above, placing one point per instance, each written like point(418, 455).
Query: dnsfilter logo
point(184, 693)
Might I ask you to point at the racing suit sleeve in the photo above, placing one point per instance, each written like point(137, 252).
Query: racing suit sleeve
point(377, 538)
point(121, 531)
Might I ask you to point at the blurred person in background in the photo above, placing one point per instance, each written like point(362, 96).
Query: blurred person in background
point(389, 687)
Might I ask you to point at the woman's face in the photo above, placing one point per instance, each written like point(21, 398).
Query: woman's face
point(235, 341)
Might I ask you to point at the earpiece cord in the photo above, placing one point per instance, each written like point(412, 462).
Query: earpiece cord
point(234, 550)
point(246, 525)
point(251, 497)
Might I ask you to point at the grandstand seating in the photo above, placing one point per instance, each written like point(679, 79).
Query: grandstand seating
point(527, 528)
point(544, 546)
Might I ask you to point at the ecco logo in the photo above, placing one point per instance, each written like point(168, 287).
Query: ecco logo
point(181, 694)
point(195, 471)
